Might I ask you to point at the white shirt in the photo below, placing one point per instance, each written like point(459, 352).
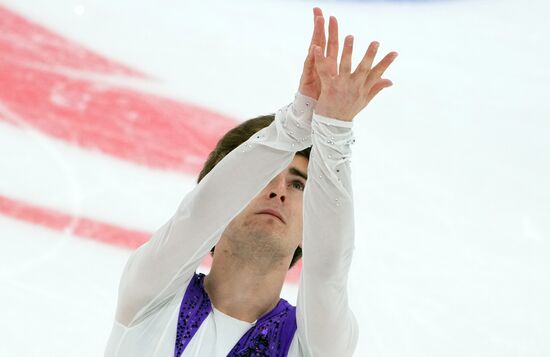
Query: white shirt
point(156, 275)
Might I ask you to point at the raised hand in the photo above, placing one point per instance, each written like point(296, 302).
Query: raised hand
point(344, 94)
point(310, 83)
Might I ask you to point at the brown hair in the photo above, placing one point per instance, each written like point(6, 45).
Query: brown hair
point(231, 140)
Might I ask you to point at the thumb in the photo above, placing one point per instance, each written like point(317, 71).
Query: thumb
point(381, 84)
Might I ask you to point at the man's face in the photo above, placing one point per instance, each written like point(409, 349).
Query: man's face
point(271, 225)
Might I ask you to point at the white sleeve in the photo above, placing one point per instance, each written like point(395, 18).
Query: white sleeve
point(157, 269)
point(326, 325)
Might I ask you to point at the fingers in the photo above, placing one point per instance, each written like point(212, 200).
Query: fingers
point(332, 47)
point(326, 65)
point(381, 67)
point(317, 12)
point(366, 63)
point(320, 63)
point(378, 70)
point(318, 37)
point(345, 61)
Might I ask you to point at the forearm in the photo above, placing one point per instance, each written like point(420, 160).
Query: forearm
point(163, 264)
point(325, 322)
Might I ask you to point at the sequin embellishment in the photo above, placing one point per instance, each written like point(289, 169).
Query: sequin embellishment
point(269, 337)
point(272, 335)
point(194, 309)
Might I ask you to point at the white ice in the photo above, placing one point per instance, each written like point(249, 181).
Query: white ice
point(451, 168)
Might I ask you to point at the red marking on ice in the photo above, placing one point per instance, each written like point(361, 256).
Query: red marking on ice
point(24, 41)
point(138, 127)
point(80, 226)
point(91, 229)
point(121, 122)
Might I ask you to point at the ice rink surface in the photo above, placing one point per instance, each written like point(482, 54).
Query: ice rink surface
point(107, 110)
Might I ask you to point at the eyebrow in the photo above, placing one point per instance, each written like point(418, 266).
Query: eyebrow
point(295, 171)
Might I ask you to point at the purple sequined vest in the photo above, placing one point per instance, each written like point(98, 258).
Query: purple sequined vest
point(270, 337)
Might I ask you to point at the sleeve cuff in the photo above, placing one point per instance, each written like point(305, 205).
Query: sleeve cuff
point(332, 121)
point(303, 103)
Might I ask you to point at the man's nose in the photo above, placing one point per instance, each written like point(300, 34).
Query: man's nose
point(273, 194)
point(278, 189)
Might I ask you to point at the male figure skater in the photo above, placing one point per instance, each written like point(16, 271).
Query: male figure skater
point(253, 205)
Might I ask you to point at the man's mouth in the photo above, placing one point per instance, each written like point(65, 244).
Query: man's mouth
point(272, 213)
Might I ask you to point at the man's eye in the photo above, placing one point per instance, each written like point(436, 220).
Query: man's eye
point(299, 185)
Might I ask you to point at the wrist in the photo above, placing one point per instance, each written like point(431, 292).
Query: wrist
point(328, 111)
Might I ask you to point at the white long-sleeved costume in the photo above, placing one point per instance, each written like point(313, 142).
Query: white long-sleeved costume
point(157, 274)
